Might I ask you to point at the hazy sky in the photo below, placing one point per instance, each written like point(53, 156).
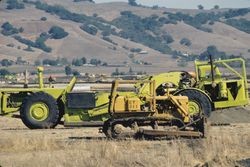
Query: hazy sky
point(189, 4)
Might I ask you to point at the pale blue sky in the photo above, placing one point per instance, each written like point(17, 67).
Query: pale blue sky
point(190, 4)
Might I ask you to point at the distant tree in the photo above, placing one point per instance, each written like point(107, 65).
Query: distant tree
point(185, 41)
point(50, 62)
point(14, 4)
point(44, 35)
point(216, 6)
point(76, 73)
point(84, 0)
point(57, 32)
point(95, 62)
point(116, 72)
point(84, 60)
point(68, 70)
point(130, 70)
point(77, 62)
point(40, 43)
point(104, 64)
point(10, 45)
point(168, 38)
point(200, 7)
point(6, 62)
point(4, 72)
point(63, 61)
point(155, 7)
point(132, 2)
point(135, 50)
point(7, 26)
point(91, 29)
point(19, 60)
point(8, 29)
point(211, 23)
point(20, 29)
point(43, 18)
point(213, 51)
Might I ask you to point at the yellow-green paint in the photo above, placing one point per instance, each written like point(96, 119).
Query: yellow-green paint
point(39, 111)
point(225, 98)
point(193, 108)
point(7, 93)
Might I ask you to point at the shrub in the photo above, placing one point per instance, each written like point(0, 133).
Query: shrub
point(9, 29)
point(132, 2)
point(14, 4)
point(240, 24)
point(216, 6)
point(84, 60)
point(57, 32)
point(137, 50)
point(10, 45)
point(20, 29)
point(62, 61)
point(39, 43)
point(89, 29)
point(4, 72)
point(68, 70)
point(200, 7)
point(116, 72)
point(76, 73)
point(50, 62)
point(211, 23)
point(6, 62)
point(109, 40)
point(185, 41)
point(155, 7)
point(77, 62)
point(213, 51)
point(95, 62)
point(43, 18)
point(167, 38)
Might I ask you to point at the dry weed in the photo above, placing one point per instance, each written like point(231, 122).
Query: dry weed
point(216, 150)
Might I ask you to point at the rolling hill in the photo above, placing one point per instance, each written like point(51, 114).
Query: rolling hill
point(122, 35)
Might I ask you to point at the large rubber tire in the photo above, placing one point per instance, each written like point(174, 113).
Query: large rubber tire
point(39, 111)
point(199, 100)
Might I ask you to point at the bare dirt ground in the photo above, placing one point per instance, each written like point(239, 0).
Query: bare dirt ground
point(225, 146)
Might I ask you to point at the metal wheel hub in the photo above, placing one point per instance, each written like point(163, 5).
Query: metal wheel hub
point(39, 111)
point(193, 108)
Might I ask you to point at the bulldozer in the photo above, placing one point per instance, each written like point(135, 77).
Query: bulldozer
point(178, 100)
point(180, 115)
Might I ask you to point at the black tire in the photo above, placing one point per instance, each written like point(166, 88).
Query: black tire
point(200, 98)
point(31, 105)
point(107, 129)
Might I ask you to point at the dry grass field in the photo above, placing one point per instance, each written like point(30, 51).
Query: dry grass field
point(19, 146)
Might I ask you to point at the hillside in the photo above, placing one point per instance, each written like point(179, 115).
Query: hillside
point(117, 33)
